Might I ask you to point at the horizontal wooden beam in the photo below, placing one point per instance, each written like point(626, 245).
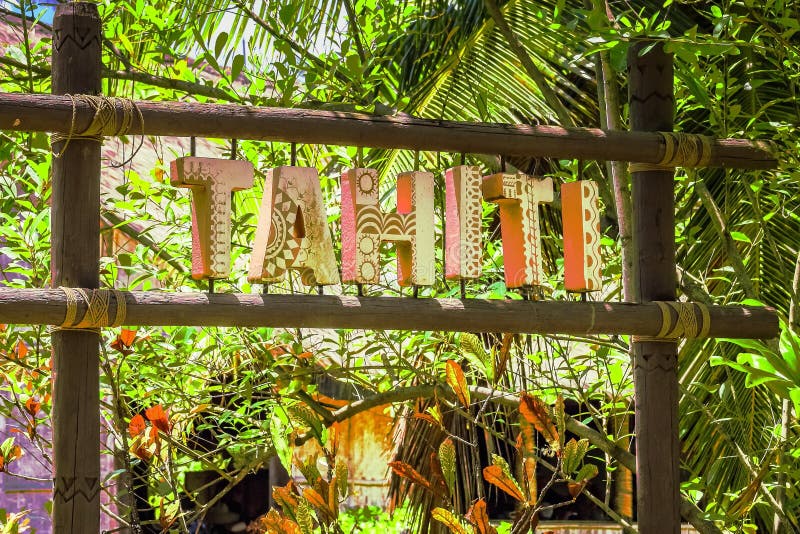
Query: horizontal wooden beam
point(53, 113)
point(152, 308)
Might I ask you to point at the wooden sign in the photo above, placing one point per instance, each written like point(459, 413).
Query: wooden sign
point(580, 214)
point(292, 230)
point(212, 181)
point(463, 213)
point(365, 227)
point(293, 233)
point(518, 197)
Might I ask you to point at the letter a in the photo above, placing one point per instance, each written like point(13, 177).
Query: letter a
point(211, 180)
point(580, 214)
point(365, 226)
point(292, 230)
point(462, 234)
point(519, 196)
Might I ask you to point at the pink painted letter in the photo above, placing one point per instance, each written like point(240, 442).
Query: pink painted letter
point(519, 196)
point(580, 214)
point(211, 181)
point(365, 226)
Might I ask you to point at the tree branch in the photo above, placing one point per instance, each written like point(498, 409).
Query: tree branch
point(689, 510)
point(721, 226)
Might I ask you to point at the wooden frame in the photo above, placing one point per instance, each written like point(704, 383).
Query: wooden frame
point(51, 113)
point(76, 173)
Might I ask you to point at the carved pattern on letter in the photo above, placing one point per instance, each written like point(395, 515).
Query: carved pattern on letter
point(580, 214)
point(463, 212)
point(518, 197)
point(282, 241)
point(212, 181)
point(365, 226)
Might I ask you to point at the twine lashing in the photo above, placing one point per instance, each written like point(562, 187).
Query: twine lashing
point(106, 120)
point(97, 315)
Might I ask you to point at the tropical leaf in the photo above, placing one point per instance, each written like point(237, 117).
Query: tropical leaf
point(406, 471)
point(499, 474)
point(305, 517)
point(536, 413)
point(342, 475)
point(479, 518)
point(574, 451)
point(449, 519)
point(447, 459)
point(457, 381)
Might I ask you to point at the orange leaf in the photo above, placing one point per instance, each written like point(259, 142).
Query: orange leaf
point(2, 463)
point(529, 476)
point(494, 475)
point(21, 349)
point(406, 471)
point(427, 418)
point(456, 380)
point(158, 417)
point(438, 483)
point(575, 488)
point(317, 501)
point(449, 520)
point(124, 341)
point(480, 519)
point(286, 499)
point(505, 351)
point(32, 405)
point(136, 426)
point(535, 412)
point(304, 356)
point(275, 523)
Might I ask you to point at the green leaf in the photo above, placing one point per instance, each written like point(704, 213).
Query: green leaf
point(237, 66)
point(447, 458)
point(741, 237)
point(219, 44)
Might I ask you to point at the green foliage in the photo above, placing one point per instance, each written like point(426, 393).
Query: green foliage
point(736, 75)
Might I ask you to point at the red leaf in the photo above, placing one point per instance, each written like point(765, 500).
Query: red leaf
point(456, 380)
point(494, 475)
point(478, 516)
point(427, 418)
point(535, 412)
point(406, 471)
point(21, 350)
point(317, 501)
point(33, 406)
point(575, 488)
point(136, 426)
point(124, 341)
point(158, 417)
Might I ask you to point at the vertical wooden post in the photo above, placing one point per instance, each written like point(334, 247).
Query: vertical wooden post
point(75, 263)
point(655, 374)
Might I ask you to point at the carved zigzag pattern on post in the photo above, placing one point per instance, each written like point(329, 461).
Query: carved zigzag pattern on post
point(651, 362)
point(61, 40)
point(66, 488)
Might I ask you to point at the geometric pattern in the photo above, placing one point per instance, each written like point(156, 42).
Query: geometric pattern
point(211, 181)
point(518, 197)
point(66, 488)
point(292, 231)
point(463, 212)
point(580, 215)
point(365, 226)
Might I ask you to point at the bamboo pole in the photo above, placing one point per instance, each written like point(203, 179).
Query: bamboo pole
point(154, 308)
point(49, 113)
point(655, 363)
point(75, 260)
